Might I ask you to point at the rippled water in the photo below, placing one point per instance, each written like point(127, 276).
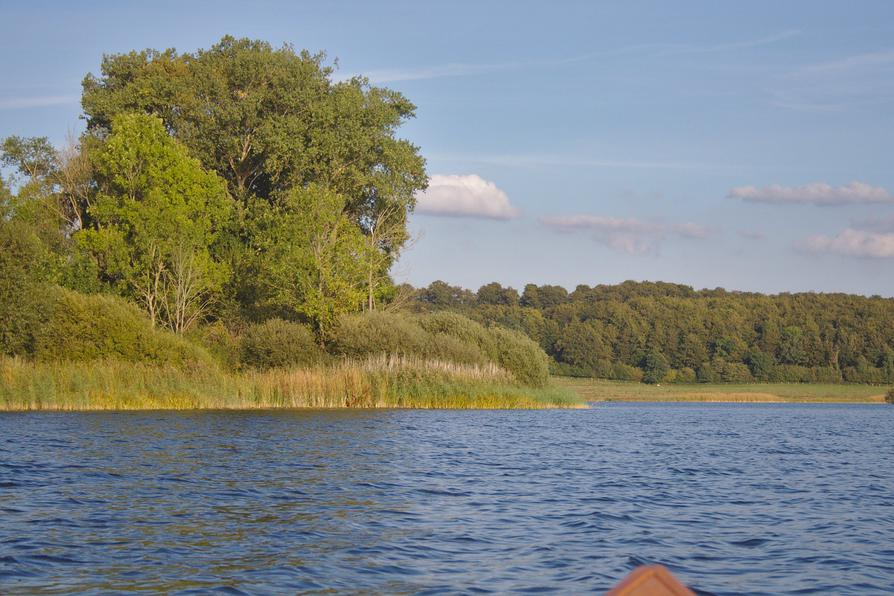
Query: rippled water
point(733, 498)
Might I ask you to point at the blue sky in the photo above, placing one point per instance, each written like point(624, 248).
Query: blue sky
point(745, 145)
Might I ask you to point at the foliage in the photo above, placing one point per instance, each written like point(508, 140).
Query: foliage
point(445, 337)
point(312, 256)
point(605, 330)
point(20, 292)
point(155, 223)
point(77, 327)
point(654, 366)
point(278, 344)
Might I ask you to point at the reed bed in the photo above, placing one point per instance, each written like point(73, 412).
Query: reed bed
point(377, 382)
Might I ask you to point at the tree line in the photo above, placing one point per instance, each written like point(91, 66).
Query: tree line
point(664, 332)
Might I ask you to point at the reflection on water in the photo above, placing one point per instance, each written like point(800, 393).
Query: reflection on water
point(733, 498)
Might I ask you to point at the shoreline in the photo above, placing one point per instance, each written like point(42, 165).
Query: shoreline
point(605, 391)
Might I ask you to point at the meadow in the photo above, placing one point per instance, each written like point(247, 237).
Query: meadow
point(602, 390)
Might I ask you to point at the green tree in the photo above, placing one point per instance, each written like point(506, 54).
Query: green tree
point(313, 258)
point(155, 223)
point(655, 367)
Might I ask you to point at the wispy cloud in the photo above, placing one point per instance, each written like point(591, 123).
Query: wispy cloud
point(522, 160)
point(852, 82)
point(632, 236)
point(462, 69)
point(22, 103)
point(438, 71)
point(735, 45)
point(816, 193)
point(467, 195)
point(868, 60)
point(853, 243)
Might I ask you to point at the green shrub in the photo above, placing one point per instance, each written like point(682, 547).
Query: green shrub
point(19, 290)
point(277, 344)
point(359, 336)
point(80, 327)
point(462, 328)
point(521, 356)
point(440, 336)
point(685, 375)
point(625, 372)
point(735, 372)
point(220, 341)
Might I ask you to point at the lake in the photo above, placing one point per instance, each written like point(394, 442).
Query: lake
point(733, 498)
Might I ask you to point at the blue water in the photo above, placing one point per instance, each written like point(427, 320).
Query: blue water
point(733, 498)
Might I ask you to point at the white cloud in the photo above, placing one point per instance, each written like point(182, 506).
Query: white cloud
point(816, 193)
point(854, 243)
point(19, 103)
point(464, 195)
point(633, 236)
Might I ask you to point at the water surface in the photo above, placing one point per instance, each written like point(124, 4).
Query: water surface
point(734, 498)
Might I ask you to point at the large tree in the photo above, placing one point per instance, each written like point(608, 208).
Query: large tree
point(270, 120)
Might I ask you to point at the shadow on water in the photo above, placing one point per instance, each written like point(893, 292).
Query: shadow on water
point(732, 498)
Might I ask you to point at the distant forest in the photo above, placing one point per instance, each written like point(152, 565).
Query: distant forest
point(663, 332)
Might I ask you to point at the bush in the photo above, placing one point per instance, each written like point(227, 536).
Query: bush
point(521, 356)
point(440, 336)
point(735, 372)
point(19, 291)
point(462, 328)
point(359, 336)
point(222, 343)
point(685, 375)
point(80, 327)
point(278, 344)
point(889, 396)
point(625, 372)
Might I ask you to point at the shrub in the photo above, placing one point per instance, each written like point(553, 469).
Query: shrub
point(707, 373)
point(686, 375)
point(735, 372)
point(90, 327)
point(521, 356)
point(358, 336)
point(19, 291)
point(625, 372)
point(440, 336)
point(222, 343)
point(461, 328)
point(277, 344)
point(889, 396)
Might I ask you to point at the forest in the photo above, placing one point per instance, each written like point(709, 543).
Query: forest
point(662, 332)
point(238, 209)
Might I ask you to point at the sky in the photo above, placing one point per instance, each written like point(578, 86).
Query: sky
point(745, 145)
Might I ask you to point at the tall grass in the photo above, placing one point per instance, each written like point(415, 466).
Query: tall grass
point(377, 382)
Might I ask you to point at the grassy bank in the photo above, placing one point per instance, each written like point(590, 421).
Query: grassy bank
point(601, 390)
point(381, 382)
